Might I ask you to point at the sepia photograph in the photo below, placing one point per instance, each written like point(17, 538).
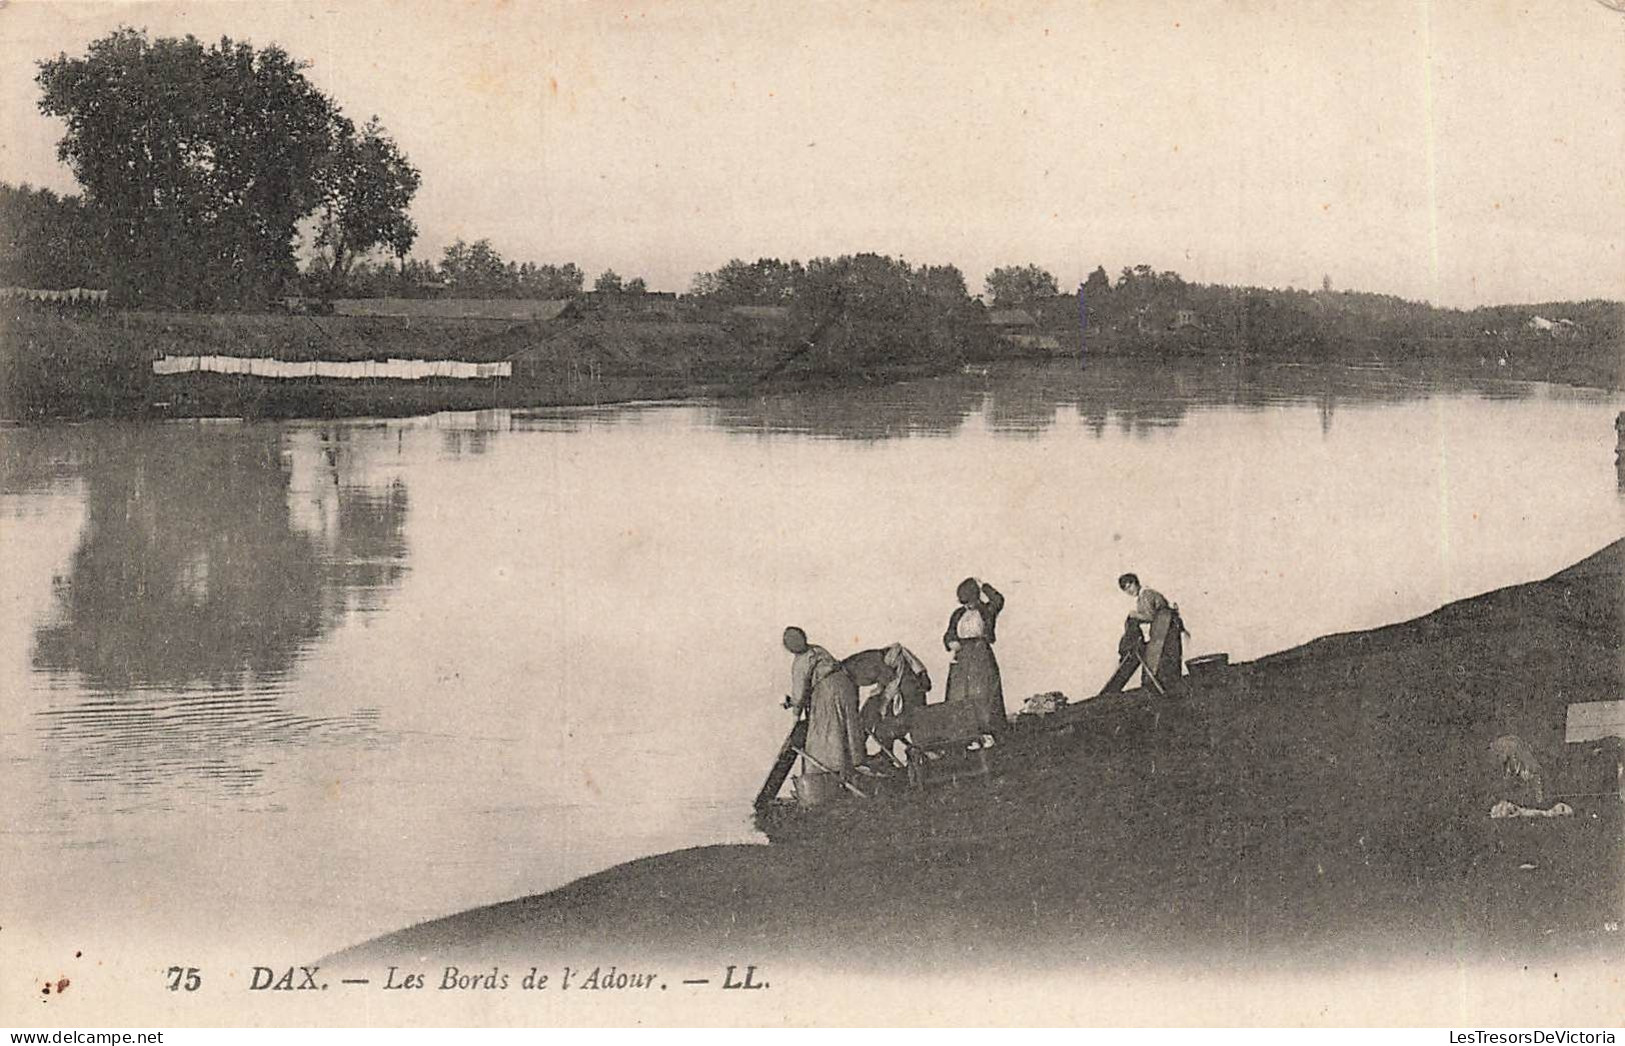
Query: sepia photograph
point(593, 513)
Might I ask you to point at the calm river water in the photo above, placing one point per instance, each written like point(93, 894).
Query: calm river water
point(291, 685)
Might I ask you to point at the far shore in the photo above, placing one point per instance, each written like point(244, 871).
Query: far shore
point(1324, 807)
point(74, 365)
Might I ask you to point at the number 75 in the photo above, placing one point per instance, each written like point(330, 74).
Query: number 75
point(188, 979)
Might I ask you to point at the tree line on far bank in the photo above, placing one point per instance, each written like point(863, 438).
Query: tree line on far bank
point(856, 310)
point(465, 270)
point(1144, 305)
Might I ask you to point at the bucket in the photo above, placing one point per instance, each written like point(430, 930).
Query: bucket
point(1208, 667)
point(815, 788)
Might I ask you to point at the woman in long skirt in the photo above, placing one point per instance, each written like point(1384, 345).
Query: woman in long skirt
point(973, 677)
point(1165, 646)
point(819, 684)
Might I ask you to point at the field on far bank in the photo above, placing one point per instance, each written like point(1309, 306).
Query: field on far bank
point(76, 364)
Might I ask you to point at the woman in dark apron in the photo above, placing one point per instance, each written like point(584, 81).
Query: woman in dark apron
point(1164, 652)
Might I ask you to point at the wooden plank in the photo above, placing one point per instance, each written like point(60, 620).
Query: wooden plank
point(783, 764)
point(1125, 671)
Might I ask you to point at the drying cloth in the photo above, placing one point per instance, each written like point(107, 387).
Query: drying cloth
point(1507, 808)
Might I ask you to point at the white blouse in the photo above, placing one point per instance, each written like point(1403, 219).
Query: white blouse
point(971, 625)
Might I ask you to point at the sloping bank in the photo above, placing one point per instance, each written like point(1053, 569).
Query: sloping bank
point(1326, 804)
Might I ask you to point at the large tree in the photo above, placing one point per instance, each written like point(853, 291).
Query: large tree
point(199, 161)
point(369, 185)
point(1015, 285)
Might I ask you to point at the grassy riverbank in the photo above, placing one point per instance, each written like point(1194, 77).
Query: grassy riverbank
point(100, 365)
point(1326, 806)
point(81, 365)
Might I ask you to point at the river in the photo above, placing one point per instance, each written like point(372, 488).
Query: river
point(284, 686)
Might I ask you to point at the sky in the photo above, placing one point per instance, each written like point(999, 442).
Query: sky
point(1464, 153)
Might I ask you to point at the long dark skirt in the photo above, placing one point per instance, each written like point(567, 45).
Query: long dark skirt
point(1165, 653)
point(974, 678)
point(833, 735)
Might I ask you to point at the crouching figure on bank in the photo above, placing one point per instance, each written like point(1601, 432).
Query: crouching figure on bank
point(900, 682)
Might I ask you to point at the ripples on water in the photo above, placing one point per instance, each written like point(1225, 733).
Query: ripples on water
point(217, 739)
point(207, 566)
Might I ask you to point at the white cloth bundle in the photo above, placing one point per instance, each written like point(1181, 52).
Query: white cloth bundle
point(1507, 808)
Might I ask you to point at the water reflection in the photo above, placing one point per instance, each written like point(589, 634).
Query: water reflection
point(1136, 397)
point(457, 442)
point(206, 567)
point(931, 408)
point(1024, 407)
point(34, 461)
point(468, 432)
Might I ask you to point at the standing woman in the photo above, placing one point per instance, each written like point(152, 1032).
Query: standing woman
point(821, 685)
point(973, 676)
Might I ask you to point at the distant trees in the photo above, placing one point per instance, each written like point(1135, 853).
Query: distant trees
point(473, 270)
point(1098, 286)
point(1135, 275)
point(872, 309)
point(943, 284)
point(1143, 282)
point(551, 281)
point(855, 309)
point(766, 281)
point(610, 282)
point(1289, 323)
point(48, 241)
point(1140, 287)
point(465, 270)
point(199, 162)
point(1011, 286)
point(477, 270)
